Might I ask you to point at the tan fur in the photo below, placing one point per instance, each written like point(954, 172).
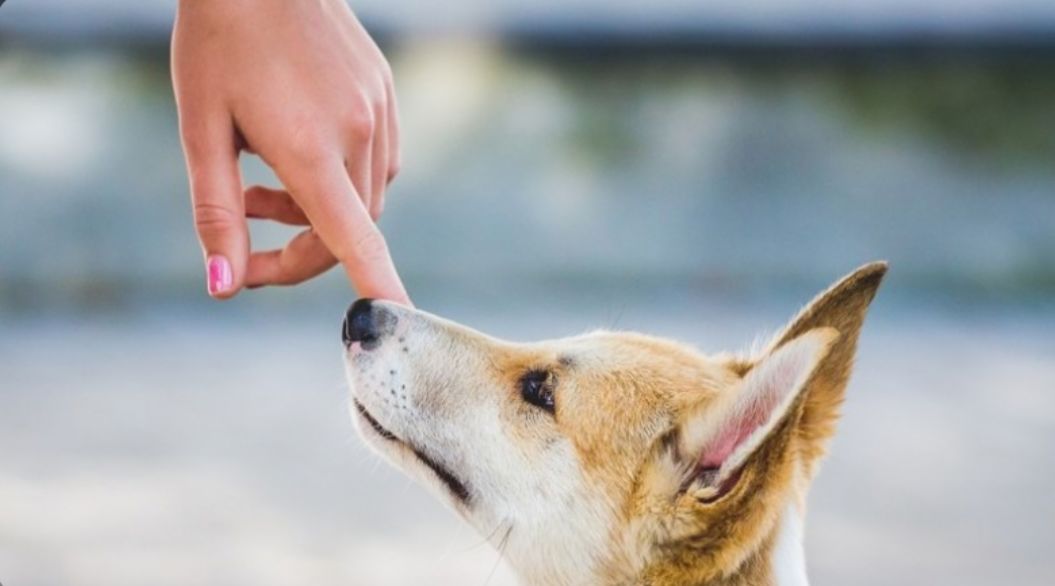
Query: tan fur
point(843, 307)
point(605, 490)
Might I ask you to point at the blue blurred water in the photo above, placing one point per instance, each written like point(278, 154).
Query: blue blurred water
point(149, 435)
point(526, 175)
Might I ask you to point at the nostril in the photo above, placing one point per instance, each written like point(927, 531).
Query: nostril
point(363, 326)
point(347, 335)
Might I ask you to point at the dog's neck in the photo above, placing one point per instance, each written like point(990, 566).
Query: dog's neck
point(780, 561)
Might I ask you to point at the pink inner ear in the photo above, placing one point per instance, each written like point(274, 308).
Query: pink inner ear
point(738, 428)
point(763, 391)
point(730, 435)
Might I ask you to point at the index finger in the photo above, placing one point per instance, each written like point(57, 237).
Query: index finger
point(330, 201)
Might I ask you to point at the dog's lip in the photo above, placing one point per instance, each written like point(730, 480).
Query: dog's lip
point(380, 429)
point(453, 484)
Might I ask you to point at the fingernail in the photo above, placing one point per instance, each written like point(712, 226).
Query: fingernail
point(219, 276)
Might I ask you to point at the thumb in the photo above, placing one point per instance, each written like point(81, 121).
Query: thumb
point(219, 210)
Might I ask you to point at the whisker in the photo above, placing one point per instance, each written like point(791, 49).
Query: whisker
point(501, 553)
point(486, 539)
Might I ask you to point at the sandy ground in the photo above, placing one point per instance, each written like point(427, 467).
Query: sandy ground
point(170, 451)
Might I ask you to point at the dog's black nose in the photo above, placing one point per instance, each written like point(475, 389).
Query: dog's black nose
point(366, 323)
point(359, 323)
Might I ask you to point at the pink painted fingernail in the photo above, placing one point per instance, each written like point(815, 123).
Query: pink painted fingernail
point(218, 270)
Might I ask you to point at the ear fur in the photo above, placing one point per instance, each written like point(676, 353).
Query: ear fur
point(805, 368)
point(843, 307)
point(733, 431)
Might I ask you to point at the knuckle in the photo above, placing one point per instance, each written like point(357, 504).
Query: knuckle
point(288, 278)
point(307, 144)
point(360, 125)
point(379, 101)
point(367, 247)
point(315, 243)
point(290, 208)
point(211, 218)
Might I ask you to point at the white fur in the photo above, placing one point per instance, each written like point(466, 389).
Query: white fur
point(444, 402)
point(789, 557)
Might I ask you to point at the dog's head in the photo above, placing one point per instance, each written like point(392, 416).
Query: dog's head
point(610, 456)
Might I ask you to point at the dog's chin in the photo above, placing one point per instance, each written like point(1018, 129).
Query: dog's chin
point(412, 460)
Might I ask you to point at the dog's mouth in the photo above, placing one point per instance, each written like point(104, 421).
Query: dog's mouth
point(459, 489)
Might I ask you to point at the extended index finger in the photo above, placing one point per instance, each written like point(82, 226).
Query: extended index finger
point(329, 199)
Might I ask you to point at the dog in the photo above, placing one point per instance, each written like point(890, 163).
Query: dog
point(612, 457)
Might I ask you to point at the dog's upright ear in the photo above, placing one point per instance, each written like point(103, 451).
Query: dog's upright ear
point(801, 376)
point(719, 438)
point(842, 307)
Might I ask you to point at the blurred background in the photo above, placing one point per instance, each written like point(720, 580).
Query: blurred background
point(691, 169)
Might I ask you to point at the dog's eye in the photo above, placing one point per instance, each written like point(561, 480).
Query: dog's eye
point(536, 387)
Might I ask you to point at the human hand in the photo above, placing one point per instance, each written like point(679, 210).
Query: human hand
point(301, 84)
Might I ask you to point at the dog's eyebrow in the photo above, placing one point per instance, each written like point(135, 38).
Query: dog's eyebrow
point(566, 361)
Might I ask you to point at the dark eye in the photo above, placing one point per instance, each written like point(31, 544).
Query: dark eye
point(536, 387)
